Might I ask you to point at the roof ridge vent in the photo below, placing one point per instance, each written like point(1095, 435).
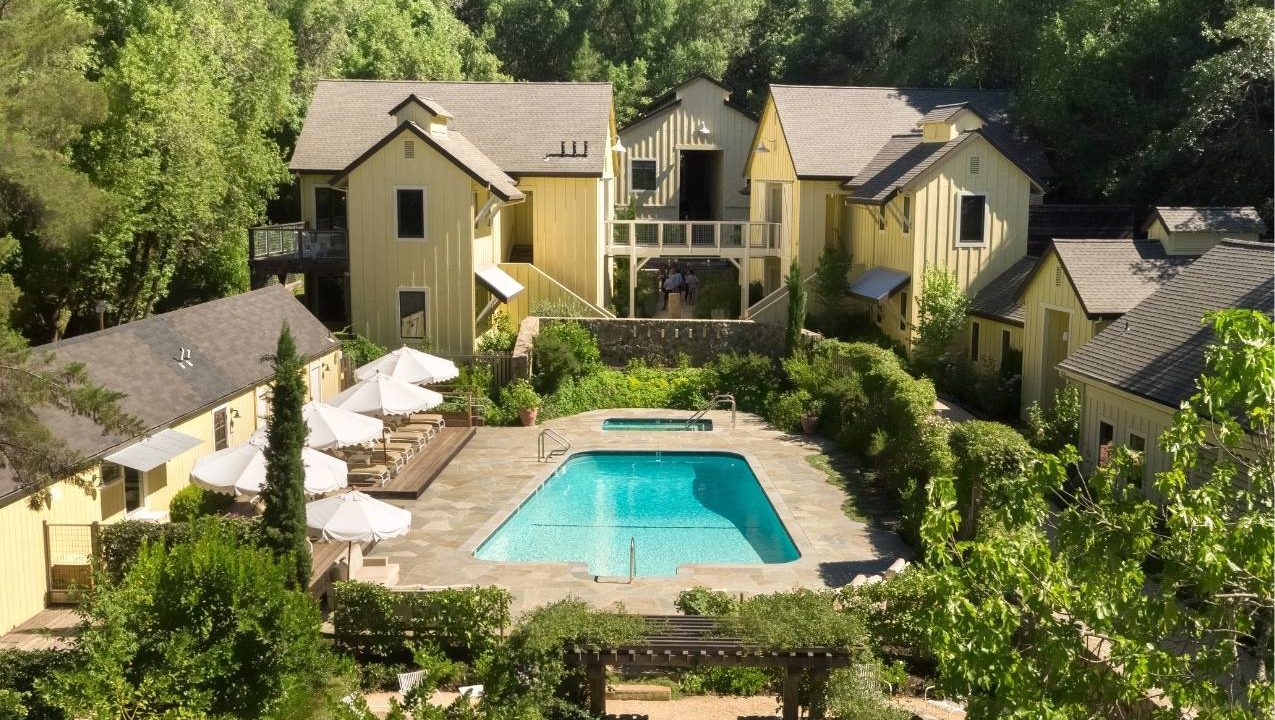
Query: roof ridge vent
point(183, 357)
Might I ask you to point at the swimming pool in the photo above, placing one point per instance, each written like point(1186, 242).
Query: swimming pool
point(697, 425)
point(678, 508)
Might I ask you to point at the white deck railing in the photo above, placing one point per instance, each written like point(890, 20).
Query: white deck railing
point(697, 235)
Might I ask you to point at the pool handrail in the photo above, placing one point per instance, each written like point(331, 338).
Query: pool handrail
point(717, 400)
point(564, 445)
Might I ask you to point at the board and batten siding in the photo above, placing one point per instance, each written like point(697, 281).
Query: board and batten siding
point(990, 342)
point(1049, 289)
point(1008, 191)
point(442, 264)
point(663, 135)
point(569, 218)
point(22, 550)
point(770, 167)
point(1127, 414)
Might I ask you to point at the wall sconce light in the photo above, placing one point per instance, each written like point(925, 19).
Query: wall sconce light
point(234, 412)
point(702, 128)
point(619, 147)
point(761, 147)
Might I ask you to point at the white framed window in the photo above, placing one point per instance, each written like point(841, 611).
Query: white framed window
point(643, 175)
point(411, 212)
point(907, 214)
point(413, 304)
point(971, 220)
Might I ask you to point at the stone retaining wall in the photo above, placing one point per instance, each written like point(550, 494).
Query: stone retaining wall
point(659, 341)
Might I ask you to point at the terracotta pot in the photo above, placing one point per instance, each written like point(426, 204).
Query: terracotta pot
point(528, 416)
point(809, 423)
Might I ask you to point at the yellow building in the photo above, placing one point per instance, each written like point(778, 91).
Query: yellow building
point(1193, 230)
point(685, 154)
point(455, 197)
point(197, 380)
point(1135, 373)
point(902, 179)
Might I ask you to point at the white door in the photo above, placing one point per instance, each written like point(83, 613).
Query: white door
point(316, 381)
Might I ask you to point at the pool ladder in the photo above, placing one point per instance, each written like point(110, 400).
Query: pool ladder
point(563, 445)
point(632, 567)
point(717, 401)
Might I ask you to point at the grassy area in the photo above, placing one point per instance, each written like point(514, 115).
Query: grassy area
point(866, 501)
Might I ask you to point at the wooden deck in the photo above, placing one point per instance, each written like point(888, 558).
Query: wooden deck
point(50, 629)
point(425, 466)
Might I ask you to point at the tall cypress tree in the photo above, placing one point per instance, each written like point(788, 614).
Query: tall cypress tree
point(796, 308)
point(283, 521)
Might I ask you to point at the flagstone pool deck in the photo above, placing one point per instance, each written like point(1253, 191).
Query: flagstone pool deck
point(498, 468)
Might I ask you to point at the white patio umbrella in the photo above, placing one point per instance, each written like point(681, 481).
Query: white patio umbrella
point(411, 366)
point(332, 427)
point(381, 394)
point(243, 469)
point(356, 517)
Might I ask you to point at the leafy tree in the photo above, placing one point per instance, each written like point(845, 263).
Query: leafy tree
point(1122, 598)
point(207, 628)
point(796, 308)
point(283, 520)
point(411, 40)
point(941, 310)
point(1054, 428)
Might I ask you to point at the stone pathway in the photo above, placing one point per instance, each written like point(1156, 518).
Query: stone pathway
point(498, 468)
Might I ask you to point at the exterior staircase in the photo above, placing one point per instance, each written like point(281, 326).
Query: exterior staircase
point(521, 254)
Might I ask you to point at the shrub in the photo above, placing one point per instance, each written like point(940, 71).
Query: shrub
point(519, 395)
point(563, 351)
point(1053, 429)
point(637, 386)
point(702, 601)
point(801, 619)
point(941, 310)
point(501, 336)
point(899, 614)
point(193, 502)
point(849, 697)
point(796, 308)
point(122, 542)
point(750, 377)
point(991, 473)
point(830, 292)
point(359, 349)
point(717, 291)
point(206, 628)
point(478, 380)
point(528, 675)
point(787, 410)
point(19, 671)
point(741, 681)
point(376, 624)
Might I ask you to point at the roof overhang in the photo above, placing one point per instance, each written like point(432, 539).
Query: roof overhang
point(154, 451)
point(498, 282)
point(877, 284)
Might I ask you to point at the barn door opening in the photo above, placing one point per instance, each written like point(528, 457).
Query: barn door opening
point(700, 185)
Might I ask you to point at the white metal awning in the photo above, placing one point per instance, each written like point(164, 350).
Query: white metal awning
point(500, 283)
point(154, 450)
point(877, 284)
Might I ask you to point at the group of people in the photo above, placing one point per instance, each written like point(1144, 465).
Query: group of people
point(673, 281)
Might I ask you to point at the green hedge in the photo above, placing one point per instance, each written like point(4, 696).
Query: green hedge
point(193, 502)
point(377, 624)
point(121, 542)
point(637, 386)
point(19, 671)
point(991, 462)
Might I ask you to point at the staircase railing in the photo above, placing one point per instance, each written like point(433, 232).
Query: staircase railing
point(549, 434)
point(716, 402)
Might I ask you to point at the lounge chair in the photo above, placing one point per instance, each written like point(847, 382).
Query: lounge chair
point(377, 570)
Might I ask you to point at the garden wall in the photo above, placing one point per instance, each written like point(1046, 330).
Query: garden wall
point(659, 341)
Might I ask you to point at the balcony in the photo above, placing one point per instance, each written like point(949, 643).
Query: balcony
point(718, 238)
point(295, 248)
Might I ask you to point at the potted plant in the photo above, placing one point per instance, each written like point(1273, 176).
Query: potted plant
point(810, 420)
point(526, 399)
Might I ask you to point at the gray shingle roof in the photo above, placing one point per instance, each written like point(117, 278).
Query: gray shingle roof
point(459, 150)
point(517, 125)
point(998, 300)
point(900, 160)
point(1214, 219)
point(833, 132)
point(943, 113)
point(1156, 350)
point(1111, 276)
point(228, 340)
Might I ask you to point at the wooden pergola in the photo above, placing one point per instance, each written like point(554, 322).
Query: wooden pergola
point(703, 641)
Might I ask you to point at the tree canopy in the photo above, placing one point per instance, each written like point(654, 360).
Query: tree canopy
point(1135, 593)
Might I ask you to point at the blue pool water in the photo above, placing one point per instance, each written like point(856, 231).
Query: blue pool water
point(679, 508)
point(657, 424)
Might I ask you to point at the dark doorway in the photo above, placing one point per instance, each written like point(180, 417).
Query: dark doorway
point(700, 185)
point(329, 209)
